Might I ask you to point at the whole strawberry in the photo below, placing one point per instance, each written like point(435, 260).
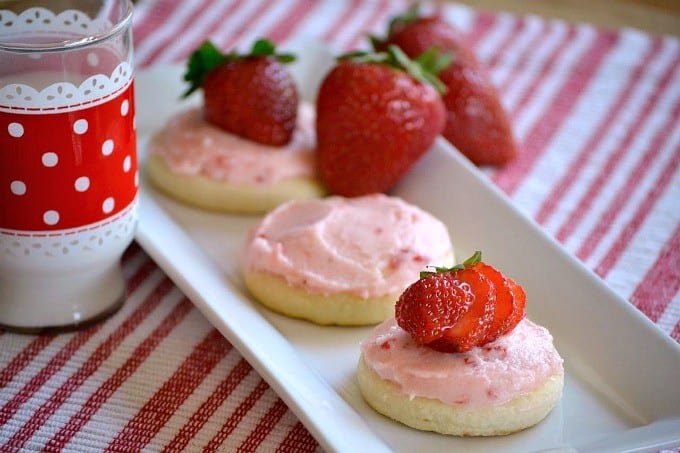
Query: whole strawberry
point(456, 309)
point(476, 122)
point(376, 115)
point(251, 95)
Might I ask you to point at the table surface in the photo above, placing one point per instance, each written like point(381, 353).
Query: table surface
point(596, 112)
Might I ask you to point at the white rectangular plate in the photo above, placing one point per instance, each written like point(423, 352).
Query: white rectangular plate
point(622, 388)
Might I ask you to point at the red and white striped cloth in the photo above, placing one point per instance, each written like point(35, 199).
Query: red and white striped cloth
point(597, 115)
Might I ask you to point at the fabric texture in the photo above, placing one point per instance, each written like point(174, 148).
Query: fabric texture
point(597, 116)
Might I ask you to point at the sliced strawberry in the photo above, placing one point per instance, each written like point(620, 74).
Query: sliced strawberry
point(505, 300)
point(429, 305)
point(455, 309)
point(519, 307)
point(471, 329)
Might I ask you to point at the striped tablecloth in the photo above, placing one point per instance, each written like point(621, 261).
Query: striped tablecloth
point(597, 115)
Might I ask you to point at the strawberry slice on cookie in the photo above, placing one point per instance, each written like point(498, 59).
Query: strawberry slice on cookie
point(486, 304)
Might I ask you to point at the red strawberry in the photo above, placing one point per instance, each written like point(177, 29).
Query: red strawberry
point(476, 122)
point(250, 95)
point(506, 302)
point(374, 120)
point(456, 309)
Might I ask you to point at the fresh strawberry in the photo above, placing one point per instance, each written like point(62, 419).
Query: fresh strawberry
point(456, 309)
point(476, 122)
point(376, 115)
point(252, 95)
point(505, 300)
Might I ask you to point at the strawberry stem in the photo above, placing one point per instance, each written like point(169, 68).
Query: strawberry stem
point(207, 57)
point(424, 68)
point(474, 259)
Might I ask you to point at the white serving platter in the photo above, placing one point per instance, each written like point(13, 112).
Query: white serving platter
point(622, 388)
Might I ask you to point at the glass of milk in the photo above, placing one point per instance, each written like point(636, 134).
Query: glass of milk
point(68, 164)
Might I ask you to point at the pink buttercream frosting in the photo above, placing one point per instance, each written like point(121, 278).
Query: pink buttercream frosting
point(368, 246)
point(512, 365)
point(192, 146)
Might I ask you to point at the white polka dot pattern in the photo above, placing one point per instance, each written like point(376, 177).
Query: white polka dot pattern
point(80, 127)
point(50, 159)
point(16, 130)
point(18, 187)
point(82, 184)
point(51, 217)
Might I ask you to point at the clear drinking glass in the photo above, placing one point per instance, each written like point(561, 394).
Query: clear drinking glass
point(68, 164)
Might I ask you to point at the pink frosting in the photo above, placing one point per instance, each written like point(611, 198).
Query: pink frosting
point(513, 365)
point(368, 246)
point(192, 146)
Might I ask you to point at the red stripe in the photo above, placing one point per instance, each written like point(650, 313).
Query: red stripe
point(558, 108)
point(25, 357)
point(662, 281)
point(332, 32)
point(657, 189)
point(255, 16)
point(287, 26)
point(676, 332)
point(236, 416)
point(162, 10)
point(157, 411)
point(370, 24)
point(525, 56)
point(129, 252)
point(184, 25)
point(21, 360)
point(500, 51)
point(60, 358)
point(40, 417)
point(233, 7)
point(612, 163)
point(264, 427)
point(104, 392)
point(481, 25)
point(208, 407)
point(603, 129)
point(298, 440)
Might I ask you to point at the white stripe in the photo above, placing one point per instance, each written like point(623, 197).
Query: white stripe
point(625, 167)
point(25, 412)
point(554, 80)
point(536, 59)
point(194, 32)
point(225, 33)
point(624, 121)
point(264, 23)
point(201, 394)
point(461, 16)
point(671, 315)
point(141, 10)
point(227, 409)
point(143, 384)
point(656, 229)
point(106, 369)
point(164, 32)
point(313, 26)
point(597, 100)
point(517, 50)
point(500, 31)
point(353, 24)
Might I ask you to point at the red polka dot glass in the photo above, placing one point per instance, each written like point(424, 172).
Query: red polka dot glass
point(68, 164)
